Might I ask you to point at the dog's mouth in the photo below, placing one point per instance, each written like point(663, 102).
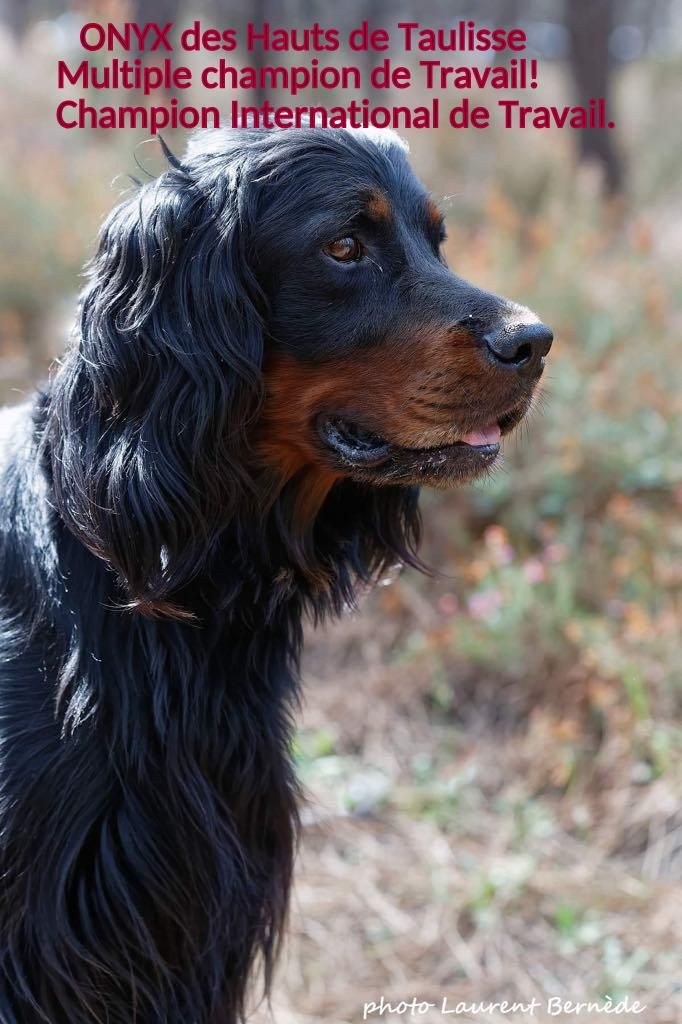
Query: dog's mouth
point(353, 444)
point(366, 455)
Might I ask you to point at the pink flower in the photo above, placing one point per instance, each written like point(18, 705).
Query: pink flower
point(448, 604)
point(484, 604)
point(555, 552)
point(534, 571)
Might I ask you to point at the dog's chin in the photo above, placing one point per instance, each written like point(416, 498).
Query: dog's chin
point(368, 457)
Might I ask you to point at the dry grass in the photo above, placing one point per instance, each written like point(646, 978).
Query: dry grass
point(444, 855)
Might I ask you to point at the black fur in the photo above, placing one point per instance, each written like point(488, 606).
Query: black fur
point(148, 801)
point(152, 587)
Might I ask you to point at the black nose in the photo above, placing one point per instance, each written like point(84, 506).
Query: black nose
point(518, 346)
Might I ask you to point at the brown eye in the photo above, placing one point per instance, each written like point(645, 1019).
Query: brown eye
point(344, 250)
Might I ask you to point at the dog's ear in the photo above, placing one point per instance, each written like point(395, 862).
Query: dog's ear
point(148, 413)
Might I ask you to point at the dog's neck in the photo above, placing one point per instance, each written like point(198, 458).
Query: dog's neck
point(177, 731)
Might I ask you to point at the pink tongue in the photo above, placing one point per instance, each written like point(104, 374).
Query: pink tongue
point(489, 435)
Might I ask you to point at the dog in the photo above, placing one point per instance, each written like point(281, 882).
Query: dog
point(271, 358)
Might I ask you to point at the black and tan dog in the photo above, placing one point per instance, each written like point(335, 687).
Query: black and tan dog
point(271, 358)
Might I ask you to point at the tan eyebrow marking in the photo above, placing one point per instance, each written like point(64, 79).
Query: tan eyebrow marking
point(378, 207)
point(433, 213)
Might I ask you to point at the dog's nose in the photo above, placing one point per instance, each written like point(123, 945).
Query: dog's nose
point(518, 346)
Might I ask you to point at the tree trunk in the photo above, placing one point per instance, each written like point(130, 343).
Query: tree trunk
point(589, 23)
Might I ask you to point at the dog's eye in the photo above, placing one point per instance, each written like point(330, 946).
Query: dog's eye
point(344, 250)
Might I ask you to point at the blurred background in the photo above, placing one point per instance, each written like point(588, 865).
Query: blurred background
point(493, 756)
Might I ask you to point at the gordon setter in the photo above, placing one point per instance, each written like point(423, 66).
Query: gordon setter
point(271, 357)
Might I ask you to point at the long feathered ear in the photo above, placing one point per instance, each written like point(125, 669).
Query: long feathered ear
point(148, 413)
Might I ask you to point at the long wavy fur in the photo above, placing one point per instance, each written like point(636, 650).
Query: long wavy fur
point(150, 622)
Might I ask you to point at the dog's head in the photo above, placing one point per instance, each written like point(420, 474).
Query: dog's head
point(382, 365)
point(271, 317)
